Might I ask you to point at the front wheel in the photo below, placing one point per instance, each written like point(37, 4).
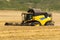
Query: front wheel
point(35, 24)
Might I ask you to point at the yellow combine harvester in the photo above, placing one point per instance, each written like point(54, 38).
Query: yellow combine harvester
point(35, 17)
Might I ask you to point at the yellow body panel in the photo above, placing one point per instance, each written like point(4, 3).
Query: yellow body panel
point(42, 19)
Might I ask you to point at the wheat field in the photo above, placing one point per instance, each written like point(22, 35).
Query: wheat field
point(27, 32)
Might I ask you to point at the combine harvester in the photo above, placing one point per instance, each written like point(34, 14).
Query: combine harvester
point(34, 17)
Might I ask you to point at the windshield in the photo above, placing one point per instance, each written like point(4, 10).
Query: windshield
point(28, 16)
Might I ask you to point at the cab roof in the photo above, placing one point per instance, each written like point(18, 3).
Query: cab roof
point(36, 11)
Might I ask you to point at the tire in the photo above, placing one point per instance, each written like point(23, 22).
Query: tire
point(49, 24)
point(35, 24)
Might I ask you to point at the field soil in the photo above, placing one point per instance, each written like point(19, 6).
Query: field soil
point(56, 18)
point(27, 32)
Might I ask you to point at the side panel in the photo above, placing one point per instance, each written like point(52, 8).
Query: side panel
point(42, 19)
